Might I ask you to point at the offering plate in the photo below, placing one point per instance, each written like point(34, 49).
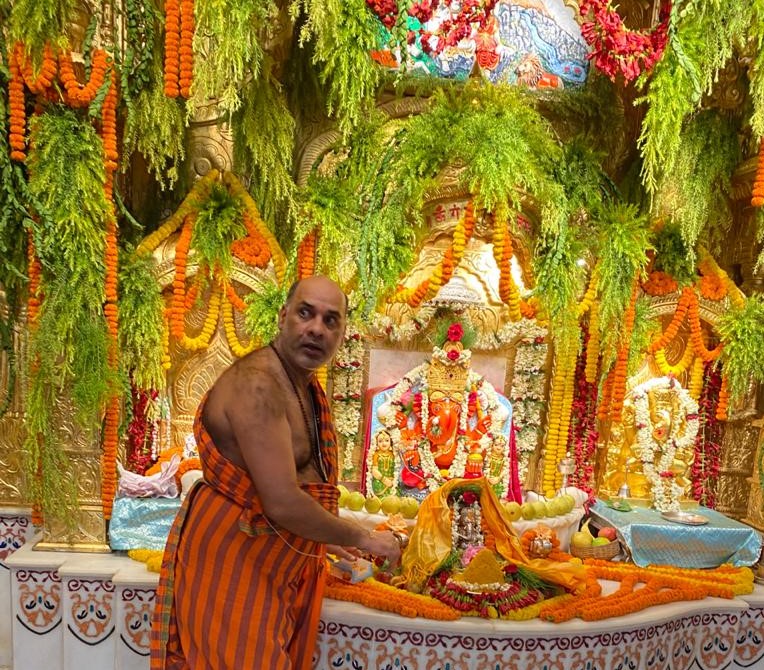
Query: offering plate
point(686, 518)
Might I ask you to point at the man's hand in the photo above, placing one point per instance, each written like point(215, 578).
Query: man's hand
point(385, 544)
point(348, 553)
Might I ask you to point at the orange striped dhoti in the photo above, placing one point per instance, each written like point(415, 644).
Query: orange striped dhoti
point(235, 593)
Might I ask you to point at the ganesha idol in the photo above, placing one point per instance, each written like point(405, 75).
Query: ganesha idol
point(439, 422)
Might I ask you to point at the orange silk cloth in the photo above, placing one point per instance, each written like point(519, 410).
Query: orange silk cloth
point(430, 542)
point(235, 592)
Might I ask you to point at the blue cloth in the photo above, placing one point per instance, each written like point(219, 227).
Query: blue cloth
point(141, 523)
point(651, 539)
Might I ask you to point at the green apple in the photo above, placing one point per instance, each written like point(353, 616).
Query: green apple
point(391, 505)
point(409, 507)
point(344, 493)
point(513, 510)
point(527, 511)
point(600, 541)
point(372, 505)
point(356, 501)
point(539, 509)
point(557, 506)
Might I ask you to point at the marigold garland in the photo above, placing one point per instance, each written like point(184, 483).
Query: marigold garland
point(503, 253)
point(252, 249)
point(757, 195)
point(203, 339)
point(724, 398)
point(712, 287)
point(177, 311)
point(662, 584)
point(21, 72)
point(677, 369)
point(111, 418)
point(376, 595)
point(151, 557)
point(171, 48)
point(659, 284)
point(186, 68)
point(673, 328)
point(17, 112)
point(622, 359)
point(81, 95)
point(253, 218)
point(560, 404)
point(590, 295)
point(696, 334)
point(593, 345)
point(696, 378)
point(306, 255)
point(229, 325)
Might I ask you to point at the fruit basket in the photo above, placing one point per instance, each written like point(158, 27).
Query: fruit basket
point(602, 551)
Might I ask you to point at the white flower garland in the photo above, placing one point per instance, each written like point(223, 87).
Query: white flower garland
point(347, 378)
point(665, 491)
point(527, 394)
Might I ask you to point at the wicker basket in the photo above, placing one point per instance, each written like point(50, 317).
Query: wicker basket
point(602, 551)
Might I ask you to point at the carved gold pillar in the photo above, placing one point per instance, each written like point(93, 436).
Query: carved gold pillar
point(12, 433)
point(755, 513)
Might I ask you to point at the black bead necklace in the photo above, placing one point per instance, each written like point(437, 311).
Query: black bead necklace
point(310, 426)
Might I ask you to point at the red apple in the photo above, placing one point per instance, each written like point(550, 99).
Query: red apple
point(608, 532)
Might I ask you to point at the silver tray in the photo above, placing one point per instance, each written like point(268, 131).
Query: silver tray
point(686, 518)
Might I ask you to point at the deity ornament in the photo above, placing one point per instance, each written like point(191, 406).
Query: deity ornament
point(650, 451)
point(445, 421)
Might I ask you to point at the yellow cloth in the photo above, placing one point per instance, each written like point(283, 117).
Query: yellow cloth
point(430, 541)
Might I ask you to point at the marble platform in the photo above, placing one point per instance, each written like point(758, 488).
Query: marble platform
point(70, 611)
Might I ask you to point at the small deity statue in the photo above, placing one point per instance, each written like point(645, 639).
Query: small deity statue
point(383, 466)
point(447, 421)
point(412, 475)
point(652, 448)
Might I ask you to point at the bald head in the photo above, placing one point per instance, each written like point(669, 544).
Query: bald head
point(320, 283)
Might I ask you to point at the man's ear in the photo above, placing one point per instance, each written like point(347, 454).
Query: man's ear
point(282, 316)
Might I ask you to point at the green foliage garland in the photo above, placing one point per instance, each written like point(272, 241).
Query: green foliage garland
point(672, 255)
point(742, 332)
point(505, 147)
point(218, 223)
point(624, 240)
point(14, 196)
point(701, 39)
point(228, 46)
point(140, 323)
point(261, 317)
point(155, 127)
point(35, 22)
point(264, 129)
point(343, 32)
point(68, 349)
point(559, 282)
point(695, 190)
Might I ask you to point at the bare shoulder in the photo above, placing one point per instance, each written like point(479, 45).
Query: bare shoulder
point(248, 392)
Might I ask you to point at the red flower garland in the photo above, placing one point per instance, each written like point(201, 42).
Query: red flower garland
point(466, 15)
point(582, 436)
point(138, 451)
point(616, 48)
point(705, 468)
